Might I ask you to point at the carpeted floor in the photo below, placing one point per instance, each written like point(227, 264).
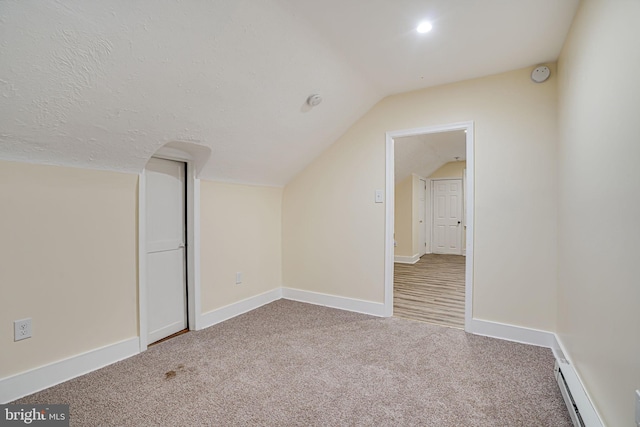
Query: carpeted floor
point(295, 364)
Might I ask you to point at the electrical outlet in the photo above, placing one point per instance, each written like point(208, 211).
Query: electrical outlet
point(21, 329)
point(238, 278)
point(638, 408)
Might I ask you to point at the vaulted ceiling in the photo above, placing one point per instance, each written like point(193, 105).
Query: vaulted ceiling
point(424, 154)
point(104, 84)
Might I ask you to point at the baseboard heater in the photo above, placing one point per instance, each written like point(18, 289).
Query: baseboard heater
point(580, 409)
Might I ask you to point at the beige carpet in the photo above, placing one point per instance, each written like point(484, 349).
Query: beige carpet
point(294, 364)
point(431, 290)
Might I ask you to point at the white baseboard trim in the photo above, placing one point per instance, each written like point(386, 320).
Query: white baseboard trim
point(34, 380)
point(406, 259)
point(581, 396)
point(232, 310)
point(333, 301)
point(513, 333)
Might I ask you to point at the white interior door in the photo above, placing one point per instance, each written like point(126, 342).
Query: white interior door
point(447, 216)
point(422, 217)
point(166, 254)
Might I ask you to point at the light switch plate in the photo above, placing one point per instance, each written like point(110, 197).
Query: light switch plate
point(379, 196)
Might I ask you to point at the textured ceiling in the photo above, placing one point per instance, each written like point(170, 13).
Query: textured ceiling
point(105, 84)
point(424, 154)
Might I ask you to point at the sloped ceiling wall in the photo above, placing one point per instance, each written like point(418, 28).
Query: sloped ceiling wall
point(104, 84)
point(424, 154)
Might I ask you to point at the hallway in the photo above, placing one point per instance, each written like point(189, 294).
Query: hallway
point(431, 290)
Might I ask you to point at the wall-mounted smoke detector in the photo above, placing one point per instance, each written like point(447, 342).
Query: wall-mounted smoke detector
point(314, 100)
point(540, 74)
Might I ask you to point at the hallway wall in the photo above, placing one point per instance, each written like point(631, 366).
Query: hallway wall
point(599, 106)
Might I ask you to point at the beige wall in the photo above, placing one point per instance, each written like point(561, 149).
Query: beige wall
point(599, 291)
point(240, 232)
point(68, 261)
point(404, 217)
point(333, 232)
point(450, 170)
point(70, 256)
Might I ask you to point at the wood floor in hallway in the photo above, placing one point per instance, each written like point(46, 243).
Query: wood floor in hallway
point(431, 290)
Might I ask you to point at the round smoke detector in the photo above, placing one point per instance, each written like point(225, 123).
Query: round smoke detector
point(540, 74)
point(314, 100)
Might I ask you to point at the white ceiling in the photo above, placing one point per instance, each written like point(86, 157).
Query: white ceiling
point(424, 154)
point(469, 38)
point(105, 84)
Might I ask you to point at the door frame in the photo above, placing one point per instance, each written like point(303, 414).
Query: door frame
point(433, 206)
point(192, 240)
point(390, 213)
point(426, 248)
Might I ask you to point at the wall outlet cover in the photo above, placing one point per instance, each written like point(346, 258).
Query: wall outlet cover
point(21, 329)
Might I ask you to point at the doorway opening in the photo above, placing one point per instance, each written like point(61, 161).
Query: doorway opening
point(192, 157)
point(184, 331)
point(429, 224)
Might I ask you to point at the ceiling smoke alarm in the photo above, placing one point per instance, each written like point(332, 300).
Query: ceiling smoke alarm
point(540, 74)
point(314, 100)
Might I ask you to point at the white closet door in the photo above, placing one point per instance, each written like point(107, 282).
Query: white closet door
point(165, 240)
point(447, 216)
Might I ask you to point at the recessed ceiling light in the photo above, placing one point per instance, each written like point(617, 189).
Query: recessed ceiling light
point(424, 27)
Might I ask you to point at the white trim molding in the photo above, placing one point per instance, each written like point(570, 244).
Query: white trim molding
point(333, 301)
point(34, 380)
point(390, 214)
point(237, 308)
point(389, 224)
point(406, 259)
point(142, 261)
point(513, 333)
point(193, 254)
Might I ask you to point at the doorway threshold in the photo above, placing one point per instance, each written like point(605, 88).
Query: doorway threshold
point(184, 331)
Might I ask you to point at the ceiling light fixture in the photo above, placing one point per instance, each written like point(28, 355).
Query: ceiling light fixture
point(424, 27)
point(314, 100)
